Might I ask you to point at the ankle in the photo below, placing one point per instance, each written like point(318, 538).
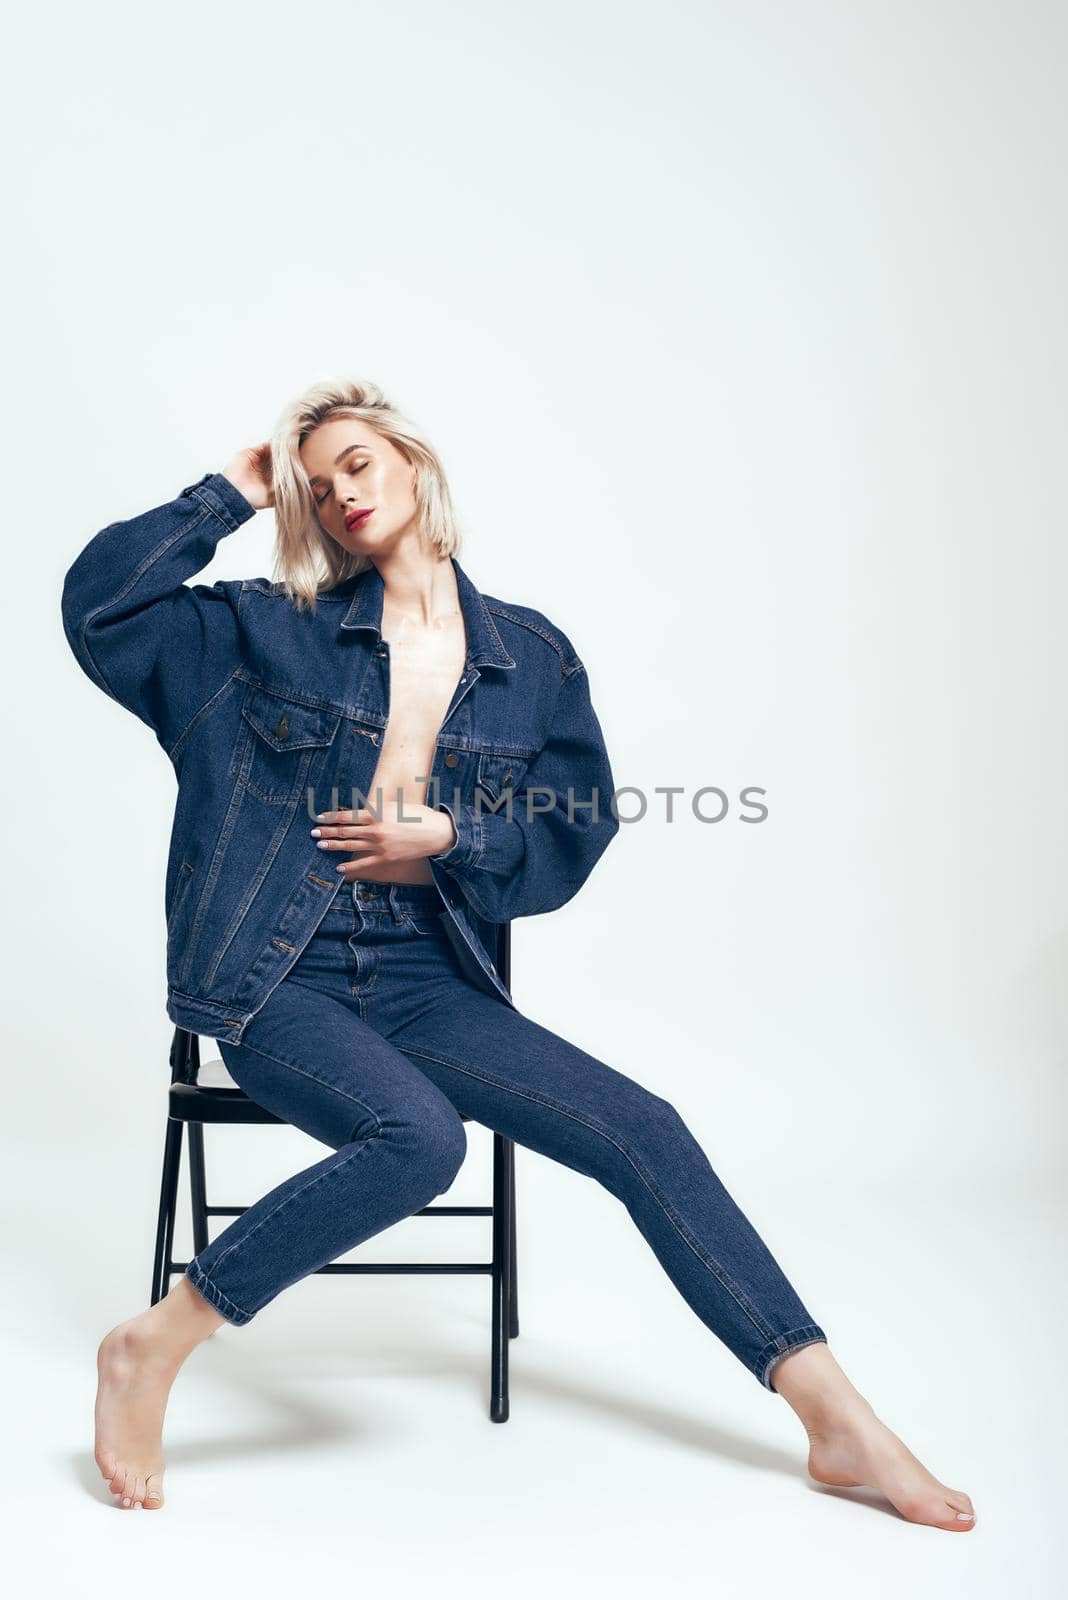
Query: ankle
point(178, 1322)
point(818, 1391)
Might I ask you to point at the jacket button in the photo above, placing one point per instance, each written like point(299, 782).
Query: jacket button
point(282, 729)
point(451, 759)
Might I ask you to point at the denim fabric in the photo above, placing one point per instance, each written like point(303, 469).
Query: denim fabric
point(376, 1042)
point(270, 716)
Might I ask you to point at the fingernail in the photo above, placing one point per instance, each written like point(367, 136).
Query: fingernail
point(323, 844)
point(339, 869)
point(315, 833)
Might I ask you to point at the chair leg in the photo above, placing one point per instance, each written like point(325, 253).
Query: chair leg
point(172, 1164)
point(501, 1279)
point(198, 1187)
point(513, 1280)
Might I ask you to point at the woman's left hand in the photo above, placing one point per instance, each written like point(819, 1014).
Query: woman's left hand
point(387, 841)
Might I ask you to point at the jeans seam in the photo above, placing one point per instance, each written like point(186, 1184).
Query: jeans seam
point(296, 1195)
point(322, 1082)
point(222, 1302)
point(709, 1262)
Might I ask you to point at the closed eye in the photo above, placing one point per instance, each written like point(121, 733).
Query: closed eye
point(321, 499)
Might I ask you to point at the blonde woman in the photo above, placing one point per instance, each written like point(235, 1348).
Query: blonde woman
point(378, 764)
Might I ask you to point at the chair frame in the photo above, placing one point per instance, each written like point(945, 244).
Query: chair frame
point(192, 1104)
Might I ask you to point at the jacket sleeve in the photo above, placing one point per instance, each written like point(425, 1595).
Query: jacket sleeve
point(536, 859)
point(153, 643)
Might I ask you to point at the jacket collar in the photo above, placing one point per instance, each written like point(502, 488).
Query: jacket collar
point(485, 647)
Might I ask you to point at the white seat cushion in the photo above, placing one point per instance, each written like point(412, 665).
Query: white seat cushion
point(213, 1075)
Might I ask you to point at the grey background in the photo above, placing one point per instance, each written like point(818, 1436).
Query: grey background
point(741, 331)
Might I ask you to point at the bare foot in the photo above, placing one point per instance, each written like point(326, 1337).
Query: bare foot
point(137, 1363)
point(849, 1445)
point(859, 1449)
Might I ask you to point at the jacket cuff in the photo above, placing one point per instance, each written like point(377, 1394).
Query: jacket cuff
point(223, 498)
point(483, 840)
point(467, 846)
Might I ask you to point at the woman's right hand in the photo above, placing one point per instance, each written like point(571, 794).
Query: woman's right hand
point(250, 471)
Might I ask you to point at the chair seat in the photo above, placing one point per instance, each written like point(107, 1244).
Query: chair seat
point(213, 1075)
point(215, 1097)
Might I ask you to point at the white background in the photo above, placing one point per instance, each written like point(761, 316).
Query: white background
point(740, 329)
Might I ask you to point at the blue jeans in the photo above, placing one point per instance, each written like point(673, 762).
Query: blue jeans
point(376, 1041)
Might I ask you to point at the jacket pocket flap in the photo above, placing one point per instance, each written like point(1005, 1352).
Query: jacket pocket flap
point(286, 724)
point(497, 773)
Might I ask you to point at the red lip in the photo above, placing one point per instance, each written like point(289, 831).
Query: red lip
point(357, 518)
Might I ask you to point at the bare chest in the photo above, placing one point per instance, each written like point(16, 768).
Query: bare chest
point(424, 669)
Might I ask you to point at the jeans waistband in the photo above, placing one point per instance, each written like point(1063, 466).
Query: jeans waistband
point(375, 895)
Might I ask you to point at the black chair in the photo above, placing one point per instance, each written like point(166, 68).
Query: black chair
point(208, 1094)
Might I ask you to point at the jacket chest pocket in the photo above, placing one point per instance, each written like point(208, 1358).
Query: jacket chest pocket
point(498, 774)
point(281, 745)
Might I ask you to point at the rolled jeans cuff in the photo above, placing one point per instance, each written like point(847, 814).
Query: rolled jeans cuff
point(784, 1345)
point(223, 1305)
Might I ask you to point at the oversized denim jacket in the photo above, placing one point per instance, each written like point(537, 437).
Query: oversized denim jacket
point(269, 715)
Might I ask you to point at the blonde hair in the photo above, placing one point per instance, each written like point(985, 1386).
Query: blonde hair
point(307, 559)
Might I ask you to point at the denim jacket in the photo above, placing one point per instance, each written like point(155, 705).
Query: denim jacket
point(269, 715)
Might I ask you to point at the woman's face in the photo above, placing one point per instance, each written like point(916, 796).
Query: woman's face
point(351, 468)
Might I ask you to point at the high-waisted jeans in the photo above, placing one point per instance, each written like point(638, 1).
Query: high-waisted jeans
point(376, 1041)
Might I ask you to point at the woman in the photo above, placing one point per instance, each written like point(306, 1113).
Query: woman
point(341, 955)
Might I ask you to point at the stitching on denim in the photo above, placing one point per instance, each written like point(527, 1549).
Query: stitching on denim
point(290, 704)
point(525, 622)
point(221, 512)
point(499, 989)
point(220, 1301)
point(149, 561)
point(204, 709)
point(297, 1194)
point(323, 1083)
point(487, 912)
point(713, 1266)
point(207, 888)
point(296, 696)
point(266, 863)
point(364, 921)
point(277, 798)
point(808, 1333)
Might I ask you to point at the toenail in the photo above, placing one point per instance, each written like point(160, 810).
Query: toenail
point(126, 1502)
point(965, 1516)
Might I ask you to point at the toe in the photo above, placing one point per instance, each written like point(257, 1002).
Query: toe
point(960, 1508)
point(139, 1491)
point(153, 1493)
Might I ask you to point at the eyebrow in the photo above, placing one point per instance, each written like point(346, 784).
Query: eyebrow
point(339, 458)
